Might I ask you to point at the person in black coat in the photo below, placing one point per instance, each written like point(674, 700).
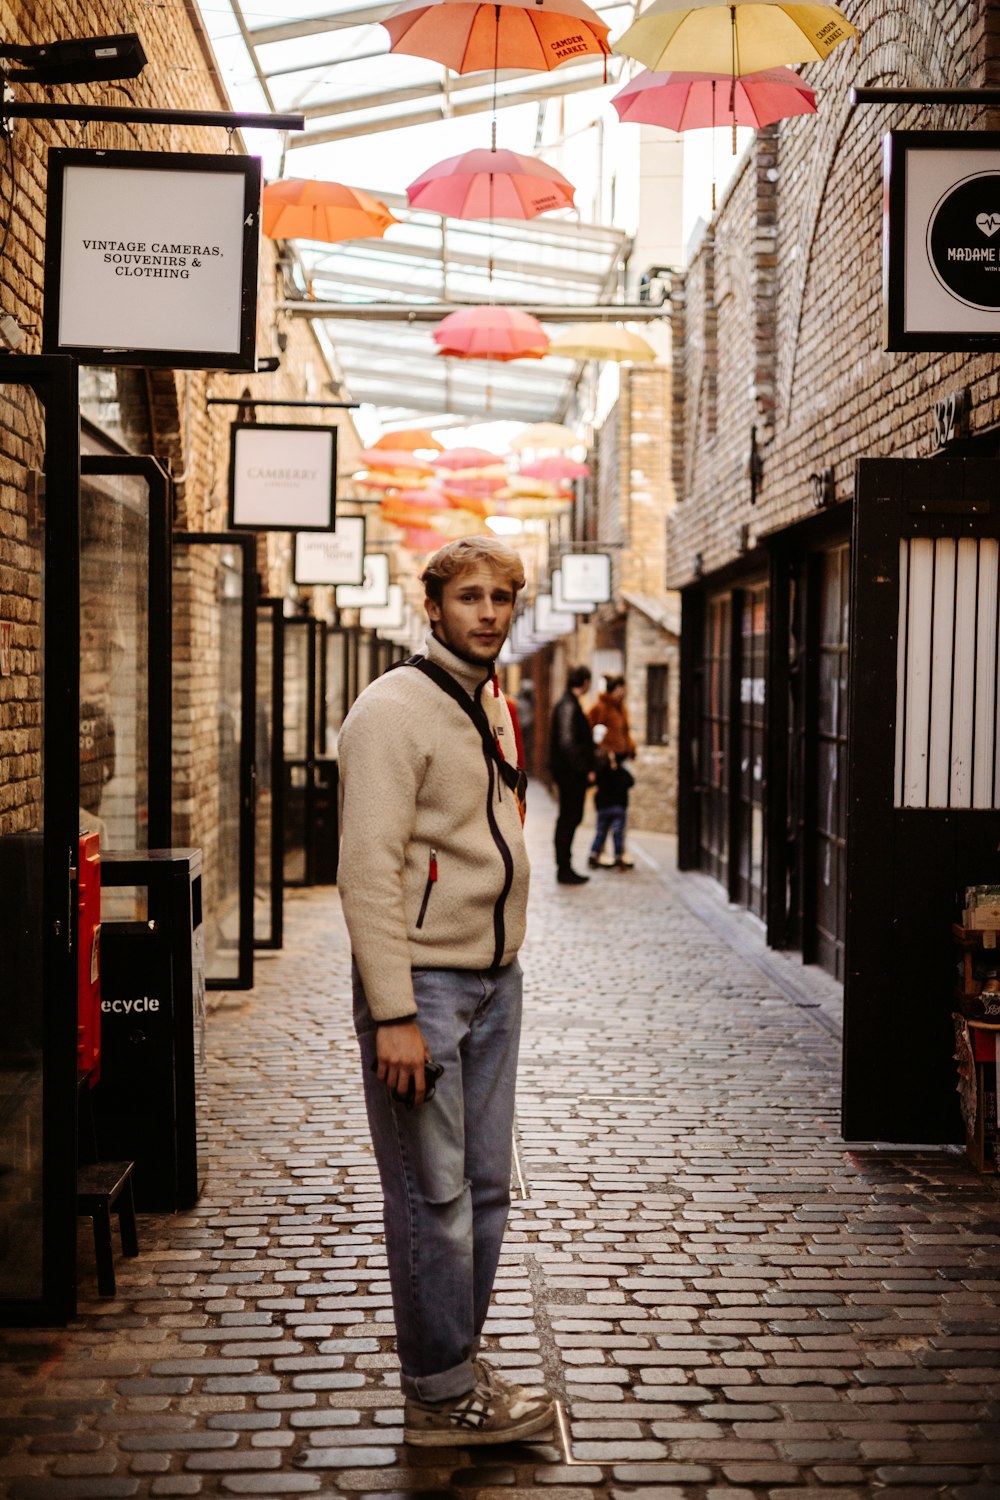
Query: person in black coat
point(571, 761)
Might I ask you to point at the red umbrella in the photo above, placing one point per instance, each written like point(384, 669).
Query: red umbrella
point(490, 333)
point(474, 37)
point(466, 458)
point(491, 184)
point(555, 468)
point(698, 101)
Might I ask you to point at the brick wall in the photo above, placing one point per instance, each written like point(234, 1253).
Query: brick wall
point(778, 325)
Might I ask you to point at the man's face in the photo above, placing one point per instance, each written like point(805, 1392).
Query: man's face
point(474, 615)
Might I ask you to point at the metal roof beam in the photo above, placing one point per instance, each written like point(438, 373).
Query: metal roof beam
point(431, 312)
point(289, 31)
point(445, 110)
point(463, 83)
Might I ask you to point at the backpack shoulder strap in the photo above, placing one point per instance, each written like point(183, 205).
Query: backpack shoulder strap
point(510, 773)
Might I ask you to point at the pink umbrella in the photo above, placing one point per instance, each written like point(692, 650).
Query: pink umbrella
point(491, 185)
point(557, 467)
point(490, 333)
point(699, 101)
point(474, 489)
point(465, 458)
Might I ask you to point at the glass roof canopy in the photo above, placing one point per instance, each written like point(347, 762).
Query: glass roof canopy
point(375, 121)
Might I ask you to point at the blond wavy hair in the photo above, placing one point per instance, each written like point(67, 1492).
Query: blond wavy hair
point(467, 554)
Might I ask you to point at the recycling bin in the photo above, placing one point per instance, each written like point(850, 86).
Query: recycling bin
point(148, 1103)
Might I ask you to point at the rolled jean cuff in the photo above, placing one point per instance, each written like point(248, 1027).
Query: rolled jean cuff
point(442, 1386)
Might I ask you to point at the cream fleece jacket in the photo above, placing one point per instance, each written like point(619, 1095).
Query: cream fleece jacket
point(418, 799)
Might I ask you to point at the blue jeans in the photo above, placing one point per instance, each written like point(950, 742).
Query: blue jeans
point(445, 1170)
point(609, 820)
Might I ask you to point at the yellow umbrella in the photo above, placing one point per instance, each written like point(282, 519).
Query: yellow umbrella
point(523, 487)
point(600, 341)
point(711, 36)
point(547, 435)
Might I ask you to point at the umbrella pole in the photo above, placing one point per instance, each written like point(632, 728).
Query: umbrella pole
point(713, 145)
point(736, 64)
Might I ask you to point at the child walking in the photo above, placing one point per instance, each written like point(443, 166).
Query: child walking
point(611, 803)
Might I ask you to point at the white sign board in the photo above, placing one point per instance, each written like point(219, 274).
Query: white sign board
point(283, 478)
point(547, 622)
point(559, 602)
point(391, 616)
point(151, 258)
point(586, 578)
point(335, 556)
point(373, 590)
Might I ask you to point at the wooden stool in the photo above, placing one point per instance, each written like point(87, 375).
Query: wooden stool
point(100, 1187)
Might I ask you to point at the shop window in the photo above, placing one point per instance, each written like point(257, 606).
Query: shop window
point(753, 703)
point(714, 738)
point(657, 717)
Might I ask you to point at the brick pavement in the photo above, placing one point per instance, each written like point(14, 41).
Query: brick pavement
point(728, 1301)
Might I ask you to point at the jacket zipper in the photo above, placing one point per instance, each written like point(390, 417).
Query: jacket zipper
point(499, 931)
point(432, 875)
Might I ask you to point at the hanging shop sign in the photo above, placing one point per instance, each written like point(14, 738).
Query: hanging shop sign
point(586, 578)
point(549, 623)
point(559, 601)
point(391, 616)
point(282, 478)
point(373, 590)
point(336, 556)
point(151, 259)
point(941, 240)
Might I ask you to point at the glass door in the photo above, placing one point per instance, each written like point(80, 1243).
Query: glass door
point(269, 712)
point(125, 651)
point(215, 629)
point(299, 741)
point(39, 801)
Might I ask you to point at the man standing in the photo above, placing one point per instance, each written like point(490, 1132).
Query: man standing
point(433, 879)
point(571, 761)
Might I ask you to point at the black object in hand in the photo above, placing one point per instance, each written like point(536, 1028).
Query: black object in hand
point(432, 1072)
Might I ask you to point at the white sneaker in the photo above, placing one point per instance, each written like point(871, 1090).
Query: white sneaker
point(483, 1415)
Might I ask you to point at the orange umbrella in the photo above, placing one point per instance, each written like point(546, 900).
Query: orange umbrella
point(411, 440)
point(474, 37)
point(298, 209)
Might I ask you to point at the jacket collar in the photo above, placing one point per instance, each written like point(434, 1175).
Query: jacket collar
point(471, 676)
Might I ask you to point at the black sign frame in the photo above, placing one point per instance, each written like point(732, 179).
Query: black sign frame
point(898, 147)
point(250, 168)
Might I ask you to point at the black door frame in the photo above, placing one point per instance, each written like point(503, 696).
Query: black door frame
point(159, 655)
point(54, 380)
point(246, 543)
point(906, 866)
point(275, 609)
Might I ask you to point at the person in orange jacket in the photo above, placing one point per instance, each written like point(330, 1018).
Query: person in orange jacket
point(616, 739)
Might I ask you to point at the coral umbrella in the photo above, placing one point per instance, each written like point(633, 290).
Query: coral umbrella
point(713, 36)
point(698, 101)
point(547, 435)
point(555, 468)
point(466, 458)
point(386, 458)
point(298, 209)
point(411, 440)
point(491, 184)
point(601, 341)
point(474, 37)
point(490, 333)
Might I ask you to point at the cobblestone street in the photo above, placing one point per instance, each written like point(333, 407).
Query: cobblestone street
point(725, 1298)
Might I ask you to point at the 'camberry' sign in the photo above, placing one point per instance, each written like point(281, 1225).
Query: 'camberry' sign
point(151, 259)
point(941, 240)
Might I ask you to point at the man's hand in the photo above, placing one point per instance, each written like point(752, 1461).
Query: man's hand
point(401, 1052)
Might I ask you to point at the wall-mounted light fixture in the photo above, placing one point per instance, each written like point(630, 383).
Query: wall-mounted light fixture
point(824, 488)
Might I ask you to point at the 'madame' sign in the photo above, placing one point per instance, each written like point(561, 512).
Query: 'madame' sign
point(151, 259)
point(941, 245)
